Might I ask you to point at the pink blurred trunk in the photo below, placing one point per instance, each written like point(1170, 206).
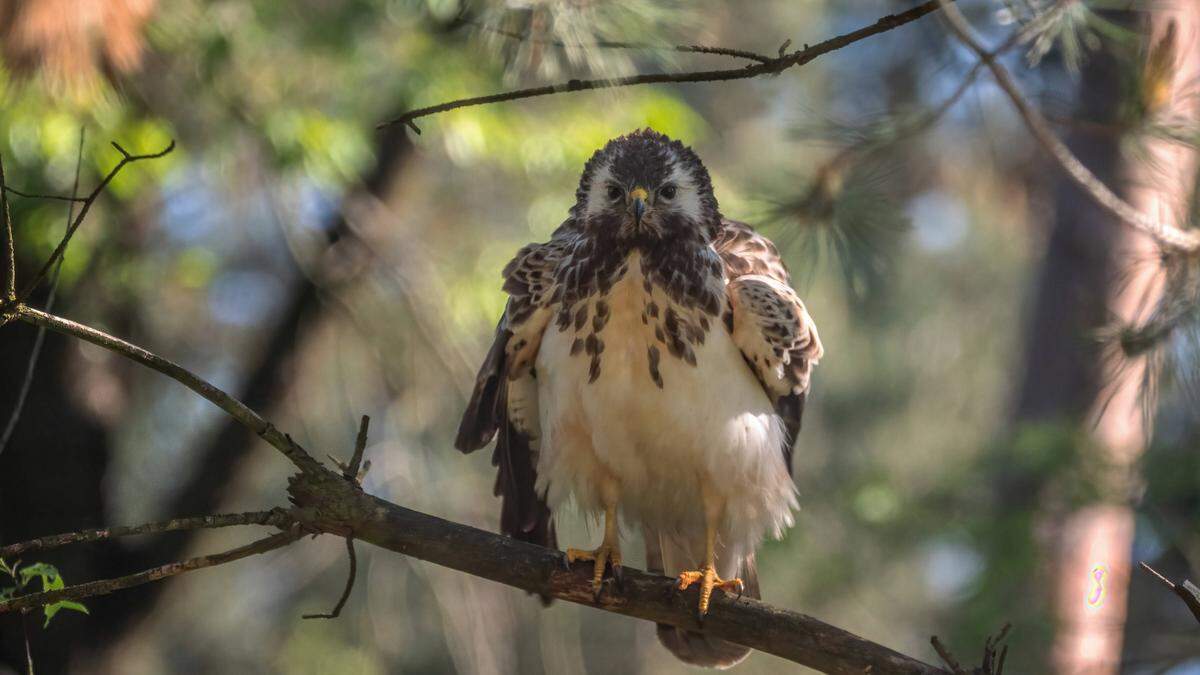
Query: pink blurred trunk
point(1094, 559)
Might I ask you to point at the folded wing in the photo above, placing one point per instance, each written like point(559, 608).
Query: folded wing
point(504, 402)
point(770, 324)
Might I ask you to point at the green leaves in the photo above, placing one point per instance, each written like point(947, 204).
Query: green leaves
point(51, 580)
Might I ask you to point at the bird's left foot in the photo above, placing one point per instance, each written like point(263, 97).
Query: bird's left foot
point(708, 581)
point(607, 555)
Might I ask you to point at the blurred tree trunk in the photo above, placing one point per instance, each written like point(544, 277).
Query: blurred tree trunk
point(1097, 271)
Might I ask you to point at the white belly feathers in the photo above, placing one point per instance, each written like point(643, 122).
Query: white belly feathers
point(709, 424)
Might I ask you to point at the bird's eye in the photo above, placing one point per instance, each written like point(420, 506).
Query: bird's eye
point(615, 193)
point(667, 192)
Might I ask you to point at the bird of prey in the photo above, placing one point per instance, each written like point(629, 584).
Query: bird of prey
point(651, 364)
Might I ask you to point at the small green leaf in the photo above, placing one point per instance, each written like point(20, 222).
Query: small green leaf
point(53, 609)
point(49, 574)
point(7, 592)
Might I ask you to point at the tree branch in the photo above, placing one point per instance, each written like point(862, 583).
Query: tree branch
point(1188, 592)
point(235, 408)
point(771, 66)
point(337, 609)
point(1167, 235)
point(106, 586)
point(328, 502)
point(10, 251)
point(994, 654)
point(275, 517)
point(87, 202)
point(40, 339)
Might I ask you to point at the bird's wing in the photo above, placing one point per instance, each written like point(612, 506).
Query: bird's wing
point(769, 323)
point(504, 404)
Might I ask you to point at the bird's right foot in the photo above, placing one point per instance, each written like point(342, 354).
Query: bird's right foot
point(608, 554)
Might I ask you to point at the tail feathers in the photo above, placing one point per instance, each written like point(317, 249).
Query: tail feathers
point(698, 649)
point(691, 647)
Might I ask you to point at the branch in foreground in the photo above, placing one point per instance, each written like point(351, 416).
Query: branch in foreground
point(106, 586)
point(1167, 235)
point(332, 503)
point(276, 518)
point(771, 66)
point(233, 407)
point(329, 503)
point(1188, 592)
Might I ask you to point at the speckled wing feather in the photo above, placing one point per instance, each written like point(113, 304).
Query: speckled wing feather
point(769, 323)
point(504, 403)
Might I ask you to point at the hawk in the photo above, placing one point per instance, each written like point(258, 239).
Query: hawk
point(651, 364)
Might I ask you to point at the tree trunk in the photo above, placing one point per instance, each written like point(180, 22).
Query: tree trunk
point(1098, 271)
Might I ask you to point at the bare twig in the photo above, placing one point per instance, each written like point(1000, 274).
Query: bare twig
point(106, 586)
point(946, 657)
point(40, 338)
point(16, 580)
point(31, 195)
point(360, 445)
point(235, 408)
point(28, 643)
point(276, 518)
point(1188, 592)
point(1167, 235)
point(88, 201)
point(337, 609)
point(772, 66)
point(351, 473)
point(994, 655)
point(10, 251)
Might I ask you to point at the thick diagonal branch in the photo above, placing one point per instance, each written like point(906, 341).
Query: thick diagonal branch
point(233, 407)
point(329, 503)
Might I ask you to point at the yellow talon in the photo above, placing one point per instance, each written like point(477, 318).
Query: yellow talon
point(708, 581)
point(609, 552)
point(605, 555)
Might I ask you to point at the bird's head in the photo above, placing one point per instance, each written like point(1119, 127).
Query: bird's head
point(644, 188)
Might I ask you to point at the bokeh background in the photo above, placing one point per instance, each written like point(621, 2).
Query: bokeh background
point(957, 470)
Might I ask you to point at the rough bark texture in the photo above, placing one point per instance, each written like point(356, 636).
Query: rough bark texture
point(330, 503)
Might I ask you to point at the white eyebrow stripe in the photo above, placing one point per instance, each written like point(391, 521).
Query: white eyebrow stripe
point(687, 197)
point(598, 190)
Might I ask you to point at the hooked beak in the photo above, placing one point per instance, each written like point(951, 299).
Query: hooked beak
point(637, 204)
